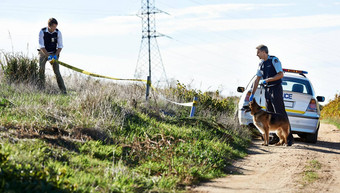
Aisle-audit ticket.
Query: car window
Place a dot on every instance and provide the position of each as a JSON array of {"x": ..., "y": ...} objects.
[
  {"x": 291, "y": 84},
  {"x": 296, "y": 85}
]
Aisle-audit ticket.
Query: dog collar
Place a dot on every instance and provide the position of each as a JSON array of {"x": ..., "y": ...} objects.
[{"x": 257, "y": 112}]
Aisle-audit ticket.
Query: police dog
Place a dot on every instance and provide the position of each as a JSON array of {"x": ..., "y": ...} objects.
[{"x": 267, "y": 121}]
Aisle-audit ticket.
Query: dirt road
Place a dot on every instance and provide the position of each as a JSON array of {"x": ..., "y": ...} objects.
[{"x": 284, "y": 169}]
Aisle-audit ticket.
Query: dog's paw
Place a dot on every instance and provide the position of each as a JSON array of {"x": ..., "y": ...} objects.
[{"x": 278, "y": 144}]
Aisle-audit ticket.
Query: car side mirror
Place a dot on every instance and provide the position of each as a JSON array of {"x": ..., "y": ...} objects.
[
  {"x": 320, "y": 98},
  {"x": 240, "y": 89}
]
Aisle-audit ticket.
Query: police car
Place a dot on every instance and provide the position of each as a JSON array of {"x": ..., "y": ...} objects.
[{"x": 301, "y": 104}]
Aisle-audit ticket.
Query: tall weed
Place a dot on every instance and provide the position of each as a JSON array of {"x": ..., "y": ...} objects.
[{"x": 19, "y": 68}]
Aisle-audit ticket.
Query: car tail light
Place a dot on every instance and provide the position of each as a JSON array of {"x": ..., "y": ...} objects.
[
  {"x": 312, "y": 106},
  {"x": 247, "y": 96}
]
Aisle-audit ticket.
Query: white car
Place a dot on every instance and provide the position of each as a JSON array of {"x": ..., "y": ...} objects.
[{"x": 300, "y": 100}]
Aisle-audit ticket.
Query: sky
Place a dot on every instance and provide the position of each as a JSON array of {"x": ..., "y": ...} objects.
[{"x": 207, "y": 44}]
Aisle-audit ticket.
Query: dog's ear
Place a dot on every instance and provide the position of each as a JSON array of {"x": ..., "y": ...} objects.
[{"x": 254, "y": 100}]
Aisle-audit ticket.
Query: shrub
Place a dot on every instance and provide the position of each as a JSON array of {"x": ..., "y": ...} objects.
[
  {"x": 19, "y": 68},
  {"x": 331, "y": 111},
  {"x": 210, "y": 104}
]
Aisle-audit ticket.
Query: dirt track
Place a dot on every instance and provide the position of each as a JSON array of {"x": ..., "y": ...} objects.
[{"x": 281, "y": 169}]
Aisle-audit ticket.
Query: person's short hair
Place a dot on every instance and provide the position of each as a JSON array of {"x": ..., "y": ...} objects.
[
  {"x": 262, "y": 48},
  {"x": 52, "y": 21}
]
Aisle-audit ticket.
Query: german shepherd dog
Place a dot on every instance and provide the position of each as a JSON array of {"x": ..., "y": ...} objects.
[{"x": 267, "y": 121}]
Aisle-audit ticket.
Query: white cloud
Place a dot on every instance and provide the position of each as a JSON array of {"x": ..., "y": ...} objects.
[
  {"x": 216, "y": 10},
  {"x": 280, "y": 23},
  {"x": 115, "y": 25}
]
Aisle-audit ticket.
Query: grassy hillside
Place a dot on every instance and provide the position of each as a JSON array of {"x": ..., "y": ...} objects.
[
  {"x": 104, "y": 137},
  {"x": 331, "y": 112}
]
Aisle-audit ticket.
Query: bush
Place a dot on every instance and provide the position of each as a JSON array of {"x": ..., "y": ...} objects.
[
  {"x": 331, "y": 111},
  {"x": 19, "y": 68},
  {"x": 210, "y": 104}
]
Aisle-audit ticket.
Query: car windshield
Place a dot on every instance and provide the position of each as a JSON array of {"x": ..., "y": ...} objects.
[{"x": 296, "y": 85}]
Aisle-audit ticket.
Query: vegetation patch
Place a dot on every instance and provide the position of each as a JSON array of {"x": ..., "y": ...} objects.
[
  {"x": 331, "y": 112},
  {"x": 104, "y": 137},
  {"x": 310, "y": 173}
]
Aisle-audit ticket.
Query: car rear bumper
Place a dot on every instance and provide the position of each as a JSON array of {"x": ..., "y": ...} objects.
[{"x": 303, "y": 124}]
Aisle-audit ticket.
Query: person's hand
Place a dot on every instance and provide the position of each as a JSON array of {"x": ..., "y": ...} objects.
[
  {"x": 55, "y": 57},
  {"x": 50, "y": 57},
  {"x": 251, "y": 97},
  {"x": 263, "y": 82}
]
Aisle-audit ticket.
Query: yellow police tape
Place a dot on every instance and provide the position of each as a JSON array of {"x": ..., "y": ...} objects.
[
  {"x": 108, "y": 77},
  {"x": 93, "y": 74}
]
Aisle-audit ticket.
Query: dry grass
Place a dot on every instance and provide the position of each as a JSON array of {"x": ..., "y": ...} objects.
[{"x": 107, "y": 125}]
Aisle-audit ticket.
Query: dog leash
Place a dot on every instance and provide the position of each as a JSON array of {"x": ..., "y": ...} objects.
[{"x": 262, "y": 88}]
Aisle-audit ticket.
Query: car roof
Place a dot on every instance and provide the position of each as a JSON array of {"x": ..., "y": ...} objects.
[{"x": 294, "y": 75}]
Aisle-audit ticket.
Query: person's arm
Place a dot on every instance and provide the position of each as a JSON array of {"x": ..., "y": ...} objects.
[
  {"x": 44, "y": 51},
  {"x": 42, "y": 43},
  {"x": 255, "y": 84},
  {"x": 60, "y": 44},
  {"x": 58, "y": 52},
  {"x": 278, "y": 76},
  {"x": 278, "y": 67}
]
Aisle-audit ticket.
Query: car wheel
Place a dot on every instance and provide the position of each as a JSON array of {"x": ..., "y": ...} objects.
[
  {"x": 302, "y": 135},
  {"x": 273, "y": 138},
  {"x": 312, "y": 137}
]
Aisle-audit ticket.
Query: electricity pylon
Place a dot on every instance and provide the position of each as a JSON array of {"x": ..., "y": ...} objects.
[{"x": 149, "y": 63}]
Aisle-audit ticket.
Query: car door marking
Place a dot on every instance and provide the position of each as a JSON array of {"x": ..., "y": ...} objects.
[{"x": 290, "y": 110}]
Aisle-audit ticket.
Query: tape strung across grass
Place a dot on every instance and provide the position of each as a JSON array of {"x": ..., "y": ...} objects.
[
  {"x": 93, "y": 74},
  {"x": 190, "y": 104}
]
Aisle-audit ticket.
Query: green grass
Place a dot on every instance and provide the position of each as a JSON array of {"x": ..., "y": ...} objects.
[
  {"x": 311, "y": 171},
  {"x": 103, "y": 137},
  {"x": 85, "y": 143},
  {"x": 153, "y": 156},
  {"x": 332, "y": 121}
]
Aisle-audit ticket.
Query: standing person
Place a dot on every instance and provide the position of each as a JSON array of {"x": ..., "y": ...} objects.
[
  {"x": 270, "y": 70},
  {"x": 51, "y": 44}
]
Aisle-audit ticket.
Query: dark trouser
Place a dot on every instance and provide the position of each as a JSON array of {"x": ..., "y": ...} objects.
[
  {"x": 274, "y": 103},
  {"x": 42, "y": 63}
]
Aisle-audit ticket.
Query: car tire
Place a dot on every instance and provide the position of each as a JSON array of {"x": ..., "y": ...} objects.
[
  {"x": 302, "y": 135},
  {"x": 273, "y": 138},
  {"x": 312, "y": 137}
]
